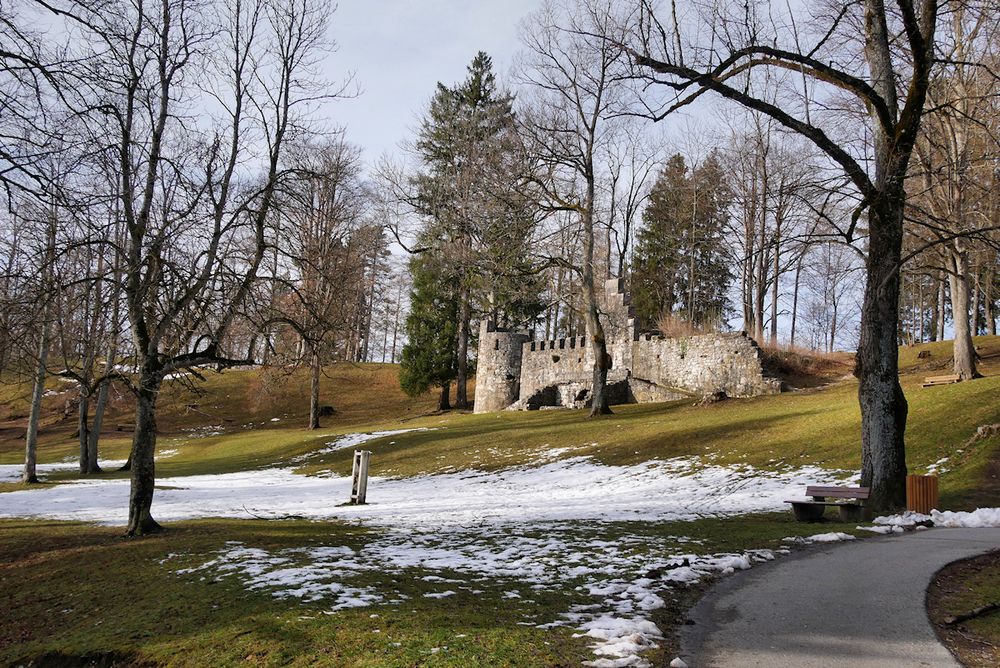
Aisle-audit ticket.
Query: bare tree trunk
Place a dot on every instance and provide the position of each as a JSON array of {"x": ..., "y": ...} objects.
[
  {"x": 83, "y": 427},
  {"x": 314, "y": 372},
  {"x": 795, "y": 299},
  {"x": 395, "y": 323},
  {"x": 922, "y": 312},
  {"x": 444, "y": 401},
  {"x": 38, "y": 390},
  {"x": 942, "y": 306},
  {"x": 140, "y": 521},
  {"x": 602, "y": 361},
  {"x": 989, "y": 282},
  {"x": 105, "y": 388},
  {"x": 974, "y": 301},
  {"x": 964, "y": 353},
  {"x": 760, "y": 288},
  {"x": 776, "y": 268},
  {"x": 95, "y": 429},
  {"x": 883, "y": 405},
  {"x": 833, "y": 326},
  {"x": 462, "y": 377}
]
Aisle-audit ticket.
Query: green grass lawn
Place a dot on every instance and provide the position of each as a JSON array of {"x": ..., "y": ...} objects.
[
  {"x": 74, "y": 591},
  {"x": 77, "y": 592}
]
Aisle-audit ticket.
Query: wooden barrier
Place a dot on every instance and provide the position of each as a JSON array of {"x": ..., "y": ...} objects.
[{"x": 921, "y": 493}]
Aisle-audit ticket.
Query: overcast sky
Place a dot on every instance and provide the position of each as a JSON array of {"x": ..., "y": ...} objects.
[{"x": 399, "y": 50}]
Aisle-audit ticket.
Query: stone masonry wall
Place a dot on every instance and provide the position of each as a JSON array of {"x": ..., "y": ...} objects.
[
  {"x": 703, "y": 364},
  {"x": 514, "y": 370}
]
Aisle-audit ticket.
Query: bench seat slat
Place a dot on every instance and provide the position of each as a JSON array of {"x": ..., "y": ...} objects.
[
  {"x": 839, "y": 492},
  {"x": 811, "y": 502}
]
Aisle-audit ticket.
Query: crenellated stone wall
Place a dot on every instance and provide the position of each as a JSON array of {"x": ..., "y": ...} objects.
[{"x": 516, "y": 372}]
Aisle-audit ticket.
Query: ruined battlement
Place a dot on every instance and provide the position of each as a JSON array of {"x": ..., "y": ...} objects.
[{"x": 515, "y": 371}]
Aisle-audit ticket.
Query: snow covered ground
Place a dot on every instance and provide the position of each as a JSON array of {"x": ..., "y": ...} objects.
[
  {"x": 571, "y": 489},
  {"x": 979, "y": 518},
  {"x": 517, "y": 526},
  {"x": 13, "y": 472}
]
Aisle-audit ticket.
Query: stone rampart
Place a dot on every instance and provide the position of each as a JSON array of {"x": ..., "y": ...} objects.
[{"x": 517, "y": 372}]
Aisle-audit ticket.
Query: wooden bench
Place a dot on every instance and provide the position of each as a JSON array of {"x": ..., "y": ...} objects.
[
  {"x": 851, "y": 510},
  {"x": 930, "y": 381}
]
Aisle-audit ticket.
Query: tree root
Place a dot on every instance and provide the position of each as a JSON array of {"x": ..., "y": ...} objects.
[{"x": 972, "y": 614}]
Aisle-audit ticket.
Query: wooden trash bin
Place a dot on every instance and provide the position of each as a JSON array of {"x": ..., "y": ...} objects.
[{"x": 921, "y": 493}]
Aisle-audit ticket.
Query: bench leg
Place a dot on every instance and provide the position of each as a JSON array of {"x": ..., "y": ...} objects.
[
  {"x": 852, "y": 513},
  {"x": 807, "y": 512}
]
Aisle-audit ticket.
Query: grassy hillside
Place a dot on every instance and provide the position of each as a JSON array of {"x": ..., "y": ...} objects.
[
  {"x": 77, "y": 594},
  {"x": 264, "y": 408},
  {"x": 245, "y": 419}
]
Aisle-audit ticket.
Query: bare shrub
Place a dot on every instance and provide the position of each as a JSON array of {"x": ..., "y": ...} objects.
[{"x": 676, "y": 325}]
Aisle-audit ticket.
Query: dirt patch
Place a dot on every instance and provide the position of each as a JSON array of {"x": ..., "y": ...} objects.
[{"x": 959, "y": 589}]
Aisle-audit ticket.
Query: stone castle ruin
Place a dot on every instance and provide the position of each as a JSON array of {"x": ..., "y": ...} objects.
[{"x": 517, "y": 372}]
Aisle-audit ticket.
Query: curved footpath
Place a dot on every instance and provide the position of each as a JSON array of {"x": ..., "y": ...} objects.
[{"x": 856, "y": 604}]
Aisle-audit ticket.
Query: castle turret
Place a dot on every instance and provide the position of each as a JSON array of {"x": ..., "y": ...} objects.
[{"x": 498, "y": 370}]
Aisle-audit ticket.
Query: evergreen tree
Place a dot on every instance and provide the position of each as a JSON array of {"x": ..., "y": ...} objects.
[
  {"x": 476, "y": 224},
  {"x": 428, "y": 358},
  {"x": 679, "y": 266}
]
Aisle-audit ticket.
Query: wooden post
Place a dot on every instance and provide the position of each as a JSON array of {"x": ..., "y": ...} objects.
[
  {"x": 921, "y": 493},
  {"x": 359, "y": 476}
]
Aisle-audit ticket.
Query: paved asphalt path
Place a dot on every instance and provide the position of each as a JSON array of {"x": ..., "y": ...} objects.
[{"x": 857, "y": 604}]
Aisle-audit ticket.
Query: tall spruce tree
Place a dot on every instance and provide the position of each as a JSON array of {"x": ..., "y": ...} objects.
[
  {"x": 476, "y": 224},
  {"x": 428, "y": 358},
  {"x": 679, "y": 267}
]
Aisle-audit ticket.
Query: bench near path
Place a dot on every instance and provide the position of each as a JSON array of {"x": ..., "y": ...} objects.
[{"x": 858, "y": 604}]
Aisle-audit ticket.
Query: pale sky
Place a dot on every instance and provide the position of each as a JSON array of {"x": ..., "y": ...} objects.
[{"x": 400, "y": 49}]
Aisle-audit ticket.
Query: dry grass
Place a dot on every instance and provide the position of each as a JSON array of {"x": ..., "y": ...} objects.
[
  {"x": 675, "y": 325},
  {"x": 801, "y": 367},
  {"x": 231, "y": 402}
]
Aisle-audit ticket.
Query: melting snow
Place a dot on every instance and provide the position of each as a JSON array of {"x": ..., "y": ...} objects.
[
  {"x": 620, "y": 576},
  {"x": 352, "y": 441},
  {"x": 571, "y": 489},
  {"x": 979, "y": 518},
  {"x": 832, "y": 537},
  {"x": 507, "y": 525},
  {"x": 13, "y": 472}
]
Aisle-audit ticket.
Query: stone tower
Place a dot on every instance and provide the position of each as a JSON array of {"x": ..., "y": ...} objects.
[{"x": 498, "y": 374}]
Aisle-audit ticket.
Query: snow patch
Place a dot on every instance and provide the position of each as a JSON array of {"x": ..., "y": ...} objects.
[
  {"x": 352, "y": 441},
  {"x": 886, "y": 529},
  {"x": 13, "y": 472},
  {"x": 832, "y": 537},
  {"x": 976, "y": 519},
  {"x": 571, "y": 489}
]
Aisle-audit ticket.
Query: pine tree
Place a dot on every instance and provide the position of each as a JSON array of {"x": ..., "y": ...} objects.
[
  {"x": 476, "y": 224},
  {"x": 679, "y": 267},
  {"x": 428, "y": 358}
]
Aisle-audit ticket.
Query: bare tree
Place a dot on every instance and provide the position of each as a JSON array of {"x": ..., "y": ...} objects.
[
  {"x": 319, "y": 227},
  {"x": 195, "y": 229},
  {"x": 956, "y": 154},
  {"x": 46, "y": 288},
  {"x": 575, "y": 107},
  {"x": 631, "y": 161},
  {"x": 729, "y": 52}
]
